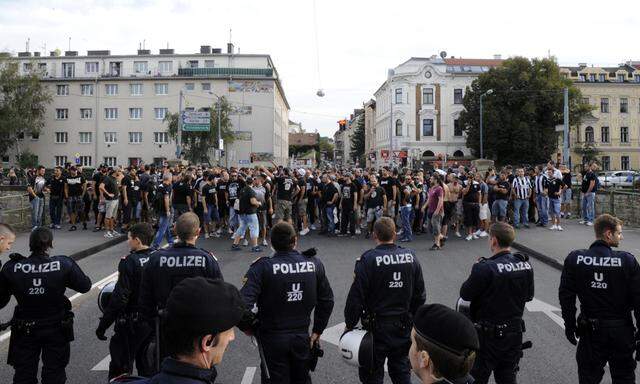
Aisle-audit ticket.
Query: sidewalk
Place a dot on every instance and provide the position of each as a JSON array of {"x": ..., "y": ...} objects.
[
  {"x": 77, "y": 244},
  {"x": 552, "y": 247}
]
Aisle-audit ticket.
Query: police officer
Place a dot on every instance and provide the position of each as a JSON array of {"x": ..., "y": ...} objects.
[
  {"x": 42, "y": 321},
  {"x": 286, "y": 288},
  {"x": 607, "y": 283},
  {"x": 167, "y": 267},
  {"x": 387, "y": 290},
  {"x": 498, "y": 289},
  {"x": 130, "y": 332}
]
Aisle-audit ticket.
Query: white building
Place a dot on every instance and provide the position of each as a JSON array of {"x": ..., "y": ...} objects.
[
  {"x": 427, "y": 95},
  {"x": 110, "y": 108}
]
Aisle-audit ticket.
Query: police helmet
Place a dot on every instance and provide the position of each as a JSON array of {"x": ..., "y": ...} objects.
[
  {"x": 105, "y": 295},
  {"x": 356, "y": 347},
  {"x": 464, "y": 307}
]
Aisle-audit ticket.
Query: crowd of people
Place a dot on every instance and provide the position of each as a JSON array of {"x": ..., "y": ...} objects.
[{"x": 245, "y": 203}]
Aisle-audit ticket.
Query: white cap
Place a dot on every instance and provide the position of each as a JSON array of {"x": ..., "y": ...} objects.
[{"x": 301, "y": 172}]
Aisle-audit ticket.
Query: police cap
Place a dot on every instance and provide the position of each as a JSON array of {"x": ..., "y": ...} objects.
[
  {"x": 205, "y": 306},
  {"x": 446, "y": 328}
]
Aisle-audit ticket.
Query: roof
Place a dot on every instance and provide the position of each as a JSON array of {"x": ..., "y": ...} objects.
[{"x": 474, "y": 62}]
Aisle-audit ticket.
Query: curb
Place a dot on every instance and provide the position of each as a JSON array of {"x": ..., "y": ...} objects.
[
  {"x": 97, "y": 248},
  {"x": 550, "y": 261}
]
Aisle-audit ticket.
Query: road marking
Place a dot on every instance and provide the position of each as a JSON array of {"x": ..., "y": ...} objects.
[
  {"x": 332, "y": 335},
  {"x": 103, "y": 365},
  {"x": 247, "y": 378},
  {"x": 536, "y": 305}
]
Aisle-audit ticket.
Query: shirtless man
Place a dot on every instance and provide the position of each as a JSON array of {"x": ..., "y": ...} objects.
[{"x": 452, "y": 195}]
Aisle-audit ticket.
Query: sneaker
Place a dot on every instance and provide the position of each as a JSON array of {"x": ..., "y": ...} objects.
[
  {"x": 561, "y": 214},
  {"x": 256, "y": 249},
  {"x": 475, "y": 236},
  {"x": 57, "y": 227},
  {"x": 590, "y": 224},
  {"x": 399, "y": 233},
  {"x": 52, "y": 226},
  {"x": 72, "y": 228},
  {"x": 366, "y": 236},
  {"x": 215, "y": 234},
  {"x": 229, "y": 231},
  {"x": 405, "y": 241},
  {"x": 478, "y": 232},
  {"x": 245, "y": 243},
  {"x": 483, "y": 234},
  {"x": 108, "y": 235},
  {"x": 206, "y": 235},
  {"x": 219, "y": 232},
  {"x": 313, "y": 227},
  {"x": 358, "y": 231},
  {"x": 568, "y": 215},
  {"x": 34, "y": 227},
  {"x": 304, "y": 231},
  {"x": 582, "y": 222},
  {"x": 264, "y": 243},
  {"x": 84, "y": 226},
  {"x": 469, "y": 238},
  {"x": 458, "y": 234},
  {"x": 559, "y": 228},
  {"x": 434, "y": 248},
  {"x": 553, "y": 227},
  {"x": 97, "y": 229},
  {"x": 527, "y": 226},
  {"x": 235, "y": 247}
]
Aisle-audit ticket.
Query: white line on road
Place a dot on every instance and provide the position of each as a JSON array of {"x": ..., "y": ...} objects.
[
  {"x": 103, "y": 365},
  {"x": 247, "y": 378},
  {"x": 536, "y": 305}
]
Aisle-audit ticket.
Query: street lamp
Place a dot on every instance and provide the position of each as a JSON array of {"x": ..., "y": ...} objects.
[
  {"x": 218, "y": 112},
  {"x": 488, "y": 92}
]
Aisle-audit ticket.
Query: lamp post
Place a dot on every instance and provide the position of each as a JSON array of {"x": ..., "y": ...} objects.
[
  {"x": 390, "y": 74},
  {"x": 488, "y": 92},
  {"x": 218, "y": 111}
]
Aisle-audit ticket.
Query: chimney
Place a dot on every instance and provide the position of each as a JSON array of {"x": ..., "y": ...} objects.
[
  {"x": 205, "y": 49},
  {"x": 497, "y": 57},
  {"x": 24, "y": 54},
  {"x": 142, "y": 52},
  {"x": 71, "y": 53},
  {"x": 99, "y": 53},
  {"x": 54, "y": 53},
  {"x": 36, "y": 54},
  {"x": 166, "y": 51},
  {"x": 216, "y": 50},
  {"x": 582, "y": 65},
  {"x": 230, "y": 48}
]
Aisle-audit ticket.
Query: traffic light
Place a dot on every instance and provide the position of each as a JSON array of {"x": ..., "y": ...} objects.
[{"x": 342, "y": 124}]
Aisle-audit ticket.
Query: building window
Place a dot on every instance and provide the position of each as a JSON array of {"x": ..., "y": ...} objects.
[
  {"x": 604, "y": 134},
  {"x": 624, "y": 105},
  {"x": 26, "y": 67},
  {"x": 621, "y": 78},
  {"x": 190, "y": 86},
  {"x": 159, "y": 161},
  {"x": 134, "y": 161},
  {"x": 209, "y": 63},
  {"x": 160, "y": 137},
  {"x": 86, "y": 137},
  {"x": 111, "y": 89},
  {"x": 68, "y": 70},
  {"x": 192, "y": 63},
  {"x": 162, "y": 88},
  {"x": 398, "y": 96},
  {"x": 62, "y": 90},
  {"x": 110, "y": 161},
  {"x": 624, "y": 163},
  {"x": 398, "y": 127},
  {"x": 111, "y": 113},
  {"x": 136, "y": 89},
  {"x": 427, "y": 127},
  {"x": 86, "y": 113},
  {"x": 135, "y": 113},
  {"x": 62, "y": 114},
  {"x": 61, "y": 161},
  {"x": 140, "y": 66},
  {"x": 206, "y": 86},
  {"x": 604, "y": 105},
  {"x": 91, "y": 67},
  {"x": 458, "y": 153},
  {"x": 585, "y": 100},
  {"x": 624, "y": 134},
  {"x": 85, "y": 161},
  {"x": 160, "y": 113},
  {"x": 111, "y": 137},
  {"x": 592, "y": 77},
  {"x": 588, "y": 135},
  {"x": 42, "y": 68},
  {"x": 115, "y": 68},
  {"x": 35, "y": 136},
  {"x": 427, "y": 95},
  {"x": 165, "y": 66},
  {"x": 135, "y": 137},
  {"x": 86, "y": 89},
  {"x": 583, "y": 77},
  {"x": 457, "y": 129},
  {"x": 602, "y": 78},
  {"x": 457, "y": 96},
  {"x": 636, "y": 78},
  {"x": 606, "y": 163},
  {"x": 5, "y": 159},
  {"x": 62, "y": 137}
]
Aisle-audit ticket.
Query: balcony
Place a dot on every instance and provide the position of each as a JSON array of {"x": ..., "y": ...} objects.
[{"x": 209, "y": 72}]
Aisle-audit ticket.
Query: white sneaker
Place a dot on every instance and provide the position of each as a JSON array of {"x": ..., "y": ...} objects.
[
  {"x": 304, "y": 231},
  {"x": 229, "y": 231},
  {"x": 475, "y": 236},
  {"x": 108, "y": 234},
  {"x": 559, "y": 228},
  {"x": 219, "y": 232},
  {"x": 553, "y": 228},
  {"x": 245, "y": 243},
  {"x": 313, "y": 227},
  {"x": 458, "y": 234},
  {"x": 484, "y": 234},
  {"x": 399, "y": 233},
  {"x": 582, "y": 222},
  {"x": 264, "y": 242},
  {"x": 206, "y": 235},
  {"x": 469, "y": 238},
  {"x": 34, "y": 228},
  {"x": 478, "y": 232},
  {"x": 358, "y": 231},
  {"x": 589, "y": 223}
]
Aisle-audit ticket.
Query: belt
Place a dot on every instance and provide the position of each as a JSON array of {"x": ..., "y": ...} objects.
[
  {"x": 513, "y": 325},
  {"x": 605, "y": 323}
]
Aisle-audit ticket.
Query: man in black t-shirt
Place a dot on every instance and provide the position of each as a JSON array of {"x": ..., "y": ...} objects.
[
  {"x": 111, "y": 191},
  {"x": 162, "y": 206},
  {"x": 501, "y": 190},
  {"x": 98, "y": 197},
  {"x": 375, "y": 203},
  {"x": 248, "y": 218},
  {"x": 391, "y": 189},
  {"x": 210, "y": 207},
  {"x": 285, "y": 190},
  {"x": 554, "y": 189},
  {"x": 74, "y": 189},
  {"x": 223, "y": 200},
  {"x": 233, "y": 188},
  {"x": 567, "y": 193},
  {"x": 56, "y": 197},
  {"x": 348, "y": 204},
  {"x": 182, "y": 193},
  {"x": 328, "y": 200},
  {"x": 588, "y": 189},
  {"x": 471, "y": 206},
  {"x": 302, "y": 201}
]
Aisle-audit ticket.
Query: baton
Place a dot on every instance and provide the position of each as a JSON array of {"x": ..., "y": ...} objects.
[{"x": 263, "y": 359}]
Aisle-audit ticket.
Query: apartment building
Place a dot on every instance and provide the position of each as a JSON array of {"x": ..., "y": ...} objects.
[
  {"x": 613, "y": 127},
  {"x": 425, "y": 95},
  {"x": 110, "y": 108},
  {"x": 342, "y": 138}
]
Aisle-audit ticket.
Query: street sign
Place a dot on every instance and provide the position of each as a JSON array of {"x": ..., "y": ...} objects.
[
  {"x": 196, "y": 121},
  {"x": 244, "y": 161}
]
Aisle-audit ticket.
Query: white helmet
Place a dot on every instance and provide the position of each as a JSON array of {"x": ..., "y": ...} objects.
[
  {"x": 464, "y": 307},
  {"x": 356, "y": 347},
  {"x": 105, "y": 295}
]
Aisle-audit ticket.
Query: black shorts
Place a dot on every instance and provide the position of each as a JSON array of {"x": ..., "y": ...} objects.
[
  {"x": 449, "y": 210},
  {"x": 471, "y": 214}
]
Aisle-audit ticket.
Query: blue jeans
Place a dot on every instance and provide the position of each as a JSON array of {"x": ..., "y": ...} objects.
[
  {"x": 164, "y": 228},
  {"x": 406, "y": 218},
  {"x": 233, "y": 218},
  {"x": 55, "y": 210},
  {"x": 248, "y": 221},
  {"x": 37, "y": 207},
  {"x": 588, "y": 206},
  {"x": 521, "y": 207},
  {"x": 331, "y": 223},
  {"x": 543, "y": 209},
  {"x": 499, "y": 208}
]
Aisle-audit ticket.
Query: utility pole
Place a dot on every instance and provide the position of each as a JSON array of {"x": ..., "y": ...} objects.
[
  {"x": 390, "y": 74},
  {"x": 179, "y": 136},
  {"x": 565, "y": 146},
  {"x": 220, "y": 145}
]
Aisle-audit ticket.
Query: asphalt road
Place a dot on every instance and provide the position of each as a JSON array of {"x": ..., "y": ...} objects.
[{"x": 551, "y": 360}]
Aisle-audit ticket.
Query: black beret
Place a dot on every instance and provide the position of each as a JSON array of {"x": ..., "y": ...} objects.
[
  {"x": 446, "y": 328},
  {"x": 205, "y": 306}
]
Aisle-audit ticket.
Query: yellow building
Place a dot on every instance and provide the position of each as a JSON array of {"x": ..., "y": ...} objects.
[{"x": 613, "y": 127}]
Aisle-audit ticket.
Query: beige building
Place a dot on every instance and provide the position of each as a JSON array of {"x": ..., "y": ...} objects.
[
  {"x": 613, "y": 127},
  {"x": 110, "y": 108}
]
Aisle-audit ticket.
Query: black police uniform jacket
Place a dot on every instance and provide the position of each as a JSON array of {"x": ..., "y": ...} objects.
[
  {"x": 499, "y": 287},
  {"x": 286, "y": 287},
  {"x": 388, "y": 282},
  {"x": 168, "y": 267},
  {"x": 173, "y": 371},
  {"x": 39, "y": 282},
  {"x": 606, "y": 282},
  {"x": 126, "y": 293}
]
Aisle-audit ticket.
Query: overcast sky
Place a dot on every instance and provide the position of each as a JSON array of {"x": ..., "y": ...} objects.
[{"x": 357, "y": 40}]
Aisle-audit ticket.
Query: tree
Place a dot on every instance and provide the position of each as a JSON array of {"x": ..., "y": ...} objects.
[
  {"x": 521, "y": 114},
  {"x": 27, "y": 159},
  {"x": 23, "y": 103},
  {"x": 196, "y": 145},
  {"x": 327, "y": 148},
  {"x": 357, "y": 140},
  {"x": 588, "y": 153}
]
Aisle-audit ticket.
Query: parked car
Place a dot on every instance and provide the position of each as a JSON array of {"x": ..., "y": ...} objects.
[{"x": 618, "y": 178}]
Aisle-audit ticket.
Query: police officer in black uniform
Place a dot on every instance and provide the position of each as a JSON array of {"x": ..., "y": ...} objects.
[
  {"x": 498, "y": 289},
  {"x": 130, "y": 332},
  {"x": 286, "y": 288},
  {"x": 387, "y": 290},
  {"x": 167, "y": 267},
  {"x": 42, "y": 321},
  {"x": 607, "y": 283}
]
